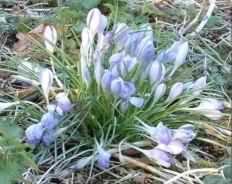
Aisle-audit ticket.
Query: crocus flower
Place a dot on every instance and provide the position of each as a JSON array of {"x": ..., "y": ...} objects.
[
  {"x": 121, "y": 34},
  {"x": 49, "y": 120},
  {"x": 63, "y": 102},
  {"x": 96, "y": 22},
  {"x": 155, "y": 72},
  {"x": 46, "y": 81},
  {"x": 98, "y": 68},
  {"x": 159, "y": 91},
  {"x": 103, "y": 158},
  {"x": 85, "y": 39},
  {"x": 199, "y": 85},
  {"x": 176, "y": 90},
  {"x": 50, "y": 38},
  {"x": 211, "y": 108},
  {"x": 146, "y": 50},
  {"x": 121, "y": 88},
  {"x": 85, "y": 73},
  {"x": 49, "y": 137},
  {"x": 106, "y": 80},
  {"x": 34, "y": 133},
  {"x": 181, "y": 55},
  {"x": 185, "y": 133}
]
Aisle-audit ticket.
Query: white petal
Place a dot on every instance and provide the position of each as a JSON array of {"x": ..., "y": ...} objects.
[
  {"x": 50, "y": 38},
  {"x": 137, "y": 101},
  {"x": 46, "y": 81}
]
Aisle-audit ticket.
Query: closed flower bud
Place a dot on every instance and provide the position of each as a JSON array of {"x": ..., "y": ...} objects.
[
  {"x": 34, "y": 133},
  {"x": 211, "y": 108},
  {"x": 98, "y": 69},
  {"x": 199, "y": 85},
  {"x": 63, "y": 102},
  {"x": 85, "y": 39},
  {"x": 106, "y": 80},
  {"x": 181, "y": 55},
  {"x": 103, "y": 158},
  {"x": 176, "y": 91},
  {"x": 49, "y": 120},
  {"x": 159, "y": 91},
  {"x": 46, "y": 81},
  {"x": 96, "y": 22},
  {"x": 121, "y": 34},
  {"x": 155, "y": 72},
  {"x": 85, "y": 73},
  {"x": 50, "y": 38},
  {"x": 136, "y": 101}
]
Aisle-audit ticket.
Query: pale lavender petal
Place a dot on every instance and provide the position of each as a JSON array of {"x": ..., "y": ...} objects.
[
  {"x": 116, "y": 86},
  {"x": 175, "y": 147},
  {"x": 176, "y": 90},
  {"x": 63, "y": 102},
  {"x": 128, "y": 89},
  {"x": 103, "y": 159},
  {"x": 34, "y": 133},
  {"x": 159, "y": 91},
  {"x": 116, "y": 59},
  {"x": 155, "y": 72},
  {"x": 49, "y": 120},
  {"x": 107, "y": 79},
  {"x": 185, "y": 133},
  {"x": 121, "y": 33},
  {"x": 161, "y": 157},
  {"x": 136, "y": 101},
  {"x": 163, "y": 135},
  {"x": 49, "y": 137}
]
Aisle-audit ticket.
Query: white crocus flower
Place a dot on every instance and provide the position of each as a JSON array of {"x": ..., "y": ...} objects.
[{"x": 50, "y": 38}]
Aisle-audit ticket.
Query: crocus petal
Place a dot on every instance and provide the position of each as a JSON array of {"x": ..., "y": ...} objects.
[
  {"x": 161, "y": 157},
  {"x": 185, "y": 133},
  {"x": 49, "y": 120},
  {"x": 180, "y": 56},
  {"x": 85, "y": 39},
  {"x": 128, "y": 89},
  {"x": 176, "y": 90},
  {"x": 63, "y": 102},
  {"x": 121, "y": 34},
  {"x": 34, "y": 133},
  {"x": 49, "y": 137},
  {"x": 46, "y": 81},
  {"x": 50, "y": 38},
  {"x": 175, "y": 147},
  {"x": 155, "y": 72},
  {"x": 136, "y": 101},
  {"x": 98, "y": 69},
  {"x": 96, "y": 22},
  {"x": 159, "y": 91},
  {"x": 85, "y": 73},
  {"x": 106, "y": 80},
  {"x": 199, "y": 85},
  {"x": 163, "y": 135},
  {"x": 103, "y": 159}
]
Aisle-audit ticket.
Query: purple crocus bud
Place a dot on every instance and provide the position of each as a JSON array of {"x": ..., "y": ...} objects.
[
  {"x": 163, "y": 135},
  {"x": 103, "y": 158},
  {"x": 46, "y": 81},
  {"x": 49, "y": 137},
  {"x": 199, "y": 85},
  {"x": 136, "y": 101},
  {"x": 185, "y": 133},
  {"x": 106, "y": 80},
  {"x": 159, "y": 91},
  {"x": 63, "y": 102},
  {"x": 34, "y": 133},
  {"x": 155, "y": 72},
  {"x": 176, "y": 90},
  {"x": 96, "y": 22},
  {"x": 49, "y": 120},
  {"x": 104, "y": 41}
]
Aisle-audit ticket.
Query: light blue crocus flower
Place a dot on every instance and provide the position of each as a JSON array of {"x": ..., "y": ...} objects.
[
  {"x": 103, "y": 158},
  {"x": 106, "y": 80},
  {"x": 34, "y": 133},
  {"x": 63, "y": 102},
  {"x": 49, "y": 120},
  {"x": 49, "y": 137}
]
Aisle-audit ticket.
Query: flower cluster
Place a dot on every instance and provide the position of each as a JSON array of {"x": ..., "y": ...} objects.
[
  {"x": 45, "y": 131},
  {"x": 169, "y": 142}
]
